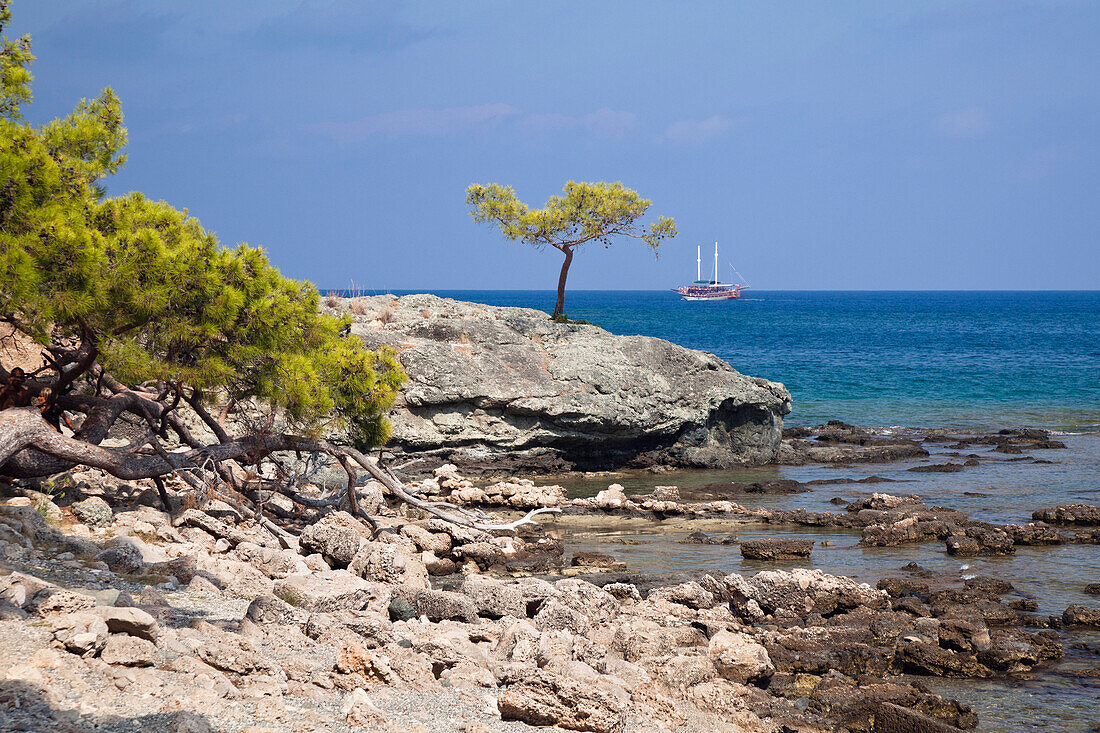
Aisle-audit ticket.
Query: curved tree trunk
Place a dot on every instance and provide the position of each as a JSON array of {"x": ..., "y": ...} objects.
[
  {"x": 25, "y": 435},
  {"x": 559, "y": 307}
]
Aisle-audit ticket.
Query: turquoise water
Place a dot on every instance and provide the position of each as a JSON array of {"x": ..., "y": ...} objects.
[{"x": 930, "y": 359}]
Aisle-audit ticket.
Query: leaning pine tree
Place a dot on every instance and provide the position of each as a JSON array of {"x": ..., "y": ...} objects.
[
  {"x": 140, "y": 314},
  {"x": 588, "y": 212}
]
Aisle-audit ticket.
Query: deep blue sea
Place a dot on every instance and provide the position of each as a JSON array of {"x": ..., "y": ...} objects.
[{"x": 927, "y": 359}]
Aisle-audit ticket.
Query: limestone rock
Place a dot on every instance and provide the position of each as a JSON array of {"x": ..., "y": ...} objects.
[
  {"x": 493, "y": 598},
  {"x": 93, "y": 511},
  {"x": 132, "y": 621},
  {"x": 336, "y": 537},
  {"x": 128, "y": 651},
  {"x": 325, "y": 591},
  {"x": 491, "y": 384},
  {"x": 548, "y": 699},
  {"x": 799, "y": 592},
  {"x": 738, "y": 658},
  {"x": 438, "y": 605}
]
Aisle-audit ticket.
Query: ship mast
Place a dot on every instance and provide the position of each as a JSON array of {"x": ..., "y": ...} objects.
[
  {"x": 715, "y": 263},
  {"x": 698, "y": 263}
]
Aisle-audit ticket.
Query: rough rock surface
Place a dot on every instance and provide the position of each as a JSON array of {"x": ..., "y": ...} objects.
[{"x": 489, "y": 384}]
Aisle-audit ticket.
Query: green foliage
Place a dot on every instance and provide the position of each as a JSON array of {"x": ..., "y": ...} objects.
[
  {"x": 587, "y": 212},
  {"x": 15, "y": 75},
  {"x": 151, "y": 292}
]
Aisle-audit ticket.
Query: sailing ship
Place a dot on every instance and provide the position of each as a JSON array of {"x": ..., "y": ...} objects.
[{"x": 708, "y": 289}]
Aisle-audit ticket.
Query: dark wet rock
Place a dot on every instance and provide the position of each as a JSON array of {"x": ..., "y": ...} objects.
[
  {"x": 702, "y": 538},
  {"x": 951, "y": 604},
  {"x": 1093, "y": 589},
  {"x": 900, "y": 587},
  {"x": 839, "y": 443},
  {"x": 917, "y": 570},
  {"x": 776, "y": 548},
  {"x": 939, "y": 468},
  {"x": 962, "y": 546},
  {"x": 961, "y": 635},
  {"x": 1023, "y": 604},
  {"x": 778, "y": 486},
  {"x": 988, "y": 586},
  {"x": 1034, "y": 534},
  {"x": 920, "y": 657},
  {"x": 911, "y": 605},
  {"x": 991, "y": 540},
  {"x": 1068, "y": 514},
  {"x": 864, "y": 480},
  {"x": 891, "y": 718},
  {"x": 596, "y": 560},
  {"x": 857, "y": 706},
  {"x": 837, "y": 501},
  {"x": 1078, "y": 615}
]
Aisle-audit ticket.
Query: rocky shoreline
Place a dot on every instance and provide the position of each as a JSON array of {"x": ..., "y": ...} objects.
[{"x": 117, "y": 614}]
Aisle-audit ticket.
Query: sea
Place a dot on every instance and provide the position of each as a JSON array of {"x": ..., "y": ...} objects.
[{"x": 894, "y": 361}]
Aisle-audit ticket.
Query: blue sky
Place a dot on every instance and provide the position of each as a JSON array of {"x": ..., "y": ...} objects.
[{"x": 841, "y": 145}]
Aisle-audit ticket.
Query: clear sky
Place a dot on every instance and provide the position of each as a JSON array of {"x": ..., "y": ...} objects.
[{"x": 839, "y": 145}]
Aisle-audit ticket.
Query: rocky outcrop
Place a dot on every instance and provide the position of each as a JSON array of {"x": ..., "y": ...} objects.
[{"x": 507, "y": 388}]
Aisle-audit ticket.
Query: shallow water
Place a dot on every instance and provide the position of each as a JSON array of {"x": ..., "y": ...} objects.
[{"x": 998, "y": 490}]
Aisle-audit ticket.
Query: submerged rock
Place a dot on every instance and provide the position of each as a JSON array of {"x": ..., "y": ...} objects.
[
  {"x": 506, "y": 388},
  {"x": 776, "y": 548}
]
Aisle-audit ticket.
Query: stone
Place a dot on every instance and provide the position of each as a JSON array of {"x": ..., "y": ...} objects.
[
  {"x": 438, "y": 605},
  {"x": 336, "y": 537},
  {"x": 212, "y": 525},
  {"x": 128, "y": 651},
  {"x": 387, "y": 563},
  {"x": 493, "y": 598},
  {"x": 1069, "y": 514},
  {"x": 93, "y": 511},
  {"x": 799, "y": 592},
  {"x": 776, "y": 548},
  {"x": 490, "y": 385},
  {"x": 891, "y": 718},
  {"x": 557, "y": 700},
  {"x": 270, "y": 609},
  {"x": 690, "y": 594},
  {"x": 554, "y": 615},
  {"x": 325, "y": 591},
  {"x": 122, "y": 557},
  {"x": 613, "y": 497},
  {"x": 962, "y": 546},
  {"x": 1078, "y": 615},
  {"x": 52, "y": 599},
  {"x": 81, "y": 633},
  {"x": 736, "y": 657},
  {"x": 132, "y": 621}
]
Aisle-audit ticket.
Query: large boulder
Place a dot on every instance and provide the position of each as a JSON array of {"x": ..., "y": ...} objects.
[
  {"x": 799, "y": 592},
  {"x": 558, "y": 700},
  {"x": 336, "y": 537},
  {"x": 490, "y": 384}
]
